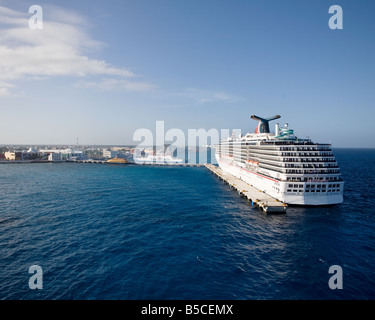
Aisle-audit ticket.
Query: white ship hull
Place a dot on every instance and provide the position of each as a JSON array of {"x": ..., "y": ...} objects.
[
  {"x": 156, "y": 159},
  {"x": 276, "y": 189}
]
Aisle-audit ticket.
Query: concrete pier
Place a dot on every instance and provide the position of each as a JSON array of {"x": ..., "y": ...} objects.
[
  {"x": 257, "y": 197},
  {"x": 89, "y": 161}
]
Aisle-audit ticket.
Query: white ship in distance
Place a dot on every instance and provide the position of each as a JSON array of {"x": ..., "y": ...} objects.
[
  {"x": 292, "y": 170},
  {"x": 156, "y": 158}
]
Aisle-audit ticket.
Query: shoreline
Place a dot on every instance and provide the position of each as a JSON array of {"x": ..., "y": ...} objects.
[{"x": 103, "y": 162}]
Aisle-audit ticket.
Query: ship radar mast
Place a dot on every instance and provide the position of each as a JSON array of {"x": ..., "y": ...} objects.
[{"x": 263, "y": 126}]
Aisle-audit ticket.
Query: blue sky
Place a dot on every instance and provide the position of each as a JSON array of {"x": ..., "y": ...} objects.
[{"x": 100, "y": 70}]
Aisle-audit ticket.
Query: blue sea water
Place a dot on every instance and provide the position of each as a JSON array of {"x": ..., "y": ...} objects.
[{"x": 136, "y": 232}]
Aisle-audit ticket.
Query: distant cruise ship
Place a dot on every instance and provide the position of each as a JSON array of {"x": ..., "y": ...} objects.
[
  {"x": 157, "y": 159},
  {"x": 294, "y": 171}
]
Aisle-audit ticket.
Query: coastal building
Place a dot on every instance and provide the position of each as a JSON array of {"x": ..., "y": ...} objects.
[
  {"x": 65, "y": 153},
  {"x": 108, "y": 153},
  {"x": 55, "y": 157},
  {"x": 117, "y": 148},
  {"x": 10, "y": 156},
  {"x": 23, "y": 156}
]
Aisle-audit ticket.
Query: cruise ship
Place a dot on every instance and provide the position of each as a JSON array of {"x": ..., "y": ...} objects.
[{"x": 292, "y": 170}]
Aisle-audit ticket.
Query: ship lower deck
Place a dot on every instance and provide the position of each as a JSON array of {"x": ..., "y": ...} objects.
[{"x": 276, "y": 188}]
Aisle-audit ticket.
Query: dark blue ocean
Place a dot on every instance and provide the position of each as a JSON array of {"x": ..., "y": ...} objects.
[{"x": 135, "y": 232}]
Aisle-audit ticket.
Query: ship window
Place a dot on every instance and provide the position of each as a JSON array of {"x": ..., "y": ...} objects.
[
  {"x": 317, "y": 190},
  {"x": 290, "y": 186},
  {"x": 294, "y": 190},
  {"x": 313, "y": 186},
  {"x": 301, "y": 185},
  {"x": 324, "y": 190},
  {"x": 324, "y": 186},
  {"x": 318, "y": 186},
  {"x": 296, "y": 186},
  {"x": 307, "y": 191},
  {"x": 307, "y": 186},
  {"x": 289, "y": 190}
]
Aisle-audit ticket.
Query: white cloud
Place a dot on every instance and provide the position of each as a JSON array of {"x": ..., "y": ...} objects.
[
  {"x": 56, "y": 50},
  {"x": 4, "y": 92},
  {"x": 117, "y": 84},
  {"x": 206, "y": 96},
  {"x": 4, "y": 89}
]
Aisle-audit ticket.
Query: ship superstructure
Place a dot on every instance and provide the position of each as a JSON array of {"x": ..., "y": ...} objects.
[{"x": 292, "y": 170}]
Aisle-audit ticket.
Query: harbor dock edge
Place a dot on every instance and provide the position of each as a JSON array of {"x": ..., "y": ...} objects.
[{"x": 265, "y": 202}]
